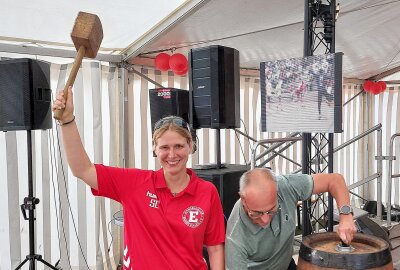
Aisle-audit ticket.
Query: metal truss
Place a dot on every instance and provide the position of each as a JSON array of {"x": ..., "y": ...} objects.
[
  {"x": 319, "y": 210},
  {"x": 319, "y": 37},
  {"x": 319, "y": 26}
]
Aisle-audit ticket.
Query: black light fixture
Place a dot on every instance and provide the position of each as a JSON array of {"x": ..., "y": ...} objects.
[
  {"x": 328, "y": 27},
  {"x": 323, "y": 13}
]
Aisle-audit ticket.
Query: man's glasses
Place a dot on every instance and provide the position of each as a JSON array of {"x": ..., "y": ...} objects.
[
  {"x": 171, "y": 119},
  {"x": 257, "y": 214}
]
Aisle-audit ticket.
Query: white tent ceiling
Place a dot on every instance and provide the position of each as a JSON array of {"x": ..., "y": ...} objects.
[
  {"x": 51, "y": 22},
  {"x": 367, "y": 31}
]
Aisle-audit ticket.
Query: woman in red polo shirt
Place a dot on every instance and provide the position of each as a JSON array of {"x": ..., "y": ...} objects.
[{"x": 169, "y": 214}]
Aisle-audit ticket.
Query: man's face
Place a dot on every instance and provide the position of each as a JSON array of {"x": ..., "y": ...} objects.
[{"x": 260, "y": 208}]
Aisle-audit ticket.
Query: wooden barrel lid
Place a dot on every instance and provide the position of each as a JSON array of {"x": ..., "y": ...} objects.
[{"x": 322, "y": 249}]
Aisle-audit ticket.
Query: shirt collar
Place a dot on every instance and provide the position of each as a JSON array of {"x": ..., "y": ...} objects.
[
  {"x": 276, "y": 224},
  {"x": 160, "y": 182}
]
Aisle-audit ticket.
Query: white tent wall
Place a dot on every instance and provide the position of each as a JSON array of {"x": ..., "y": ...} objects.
[
  {"x": 358, "y": 160},
  {"x": 61, "y": 217},
  {"x": 106, "y": 97}
]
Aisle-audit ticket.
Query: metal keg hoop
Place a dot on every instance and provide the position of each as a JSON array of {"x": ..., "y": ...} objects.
[{"x": 318, "y": 251}]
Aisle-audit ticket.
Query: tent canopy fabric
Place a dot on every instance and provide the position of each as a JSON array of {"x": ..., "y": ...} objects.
[
  {"x": 50, "y": 22},
  {"x": 367, "y": 31}
]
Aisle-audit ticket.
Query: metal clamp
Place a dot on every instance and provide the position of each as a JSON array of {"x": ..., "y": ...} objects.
[{"x": 29, "y": 204}]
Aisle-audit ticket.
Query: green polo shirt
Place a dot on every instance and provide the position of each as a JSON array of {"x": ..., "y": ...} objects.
[{"x": 249, "y": 246}]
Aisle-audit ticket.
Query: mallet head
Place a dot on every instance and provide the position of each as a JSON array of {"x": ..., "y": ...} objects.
[{"x": 87, "y": 32}]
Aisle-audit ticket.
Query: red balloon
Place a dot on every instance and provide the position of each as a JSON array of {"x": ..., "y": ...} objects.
[
  {"x": 162, "y": 61},
  {"x": 368, "y": 86},
  {"x": 383, "y": 86},
  {"x": 178, "y": 62},
  {"x": 181, "y": 73},
  {"x": 376, "y": 88}
]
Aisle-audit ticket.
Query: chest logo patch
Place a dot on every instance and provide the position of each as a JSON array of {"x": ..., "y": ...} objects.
[{"x": 193, "y": 216}]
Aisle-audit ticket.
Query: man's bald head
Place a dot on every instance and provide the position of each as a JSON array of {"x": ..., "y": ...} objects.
[{"x": 257, "y": 182}]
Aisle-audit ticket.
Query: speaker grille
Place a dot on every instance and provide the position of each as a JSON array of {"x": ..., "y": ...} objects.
[
  {"x": 214, "y": 87},
  {"x": 25, "y": 95},
  {"x": 168, "y": 101},
  {"x": 226, "y": 181},
  {"x": 15, "y": 111}
]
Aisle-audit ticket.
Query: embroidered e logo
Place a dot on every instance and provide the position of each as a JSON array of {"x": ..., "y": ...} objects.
[{"x": 193, "y": 216}]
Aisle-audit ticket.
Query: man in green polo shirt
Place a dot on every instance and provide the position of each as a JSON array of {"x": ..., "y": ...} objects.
[{"x": 260, "y": 229}]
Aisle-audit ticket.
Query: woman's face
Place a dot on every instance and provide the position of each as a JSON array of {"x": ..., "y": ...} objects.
[{"x": 172, "y": 150}]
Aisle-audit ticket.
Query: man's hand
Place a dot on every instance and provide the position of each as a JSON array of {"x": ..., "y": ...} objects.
[{"x": 346, "y": 229}]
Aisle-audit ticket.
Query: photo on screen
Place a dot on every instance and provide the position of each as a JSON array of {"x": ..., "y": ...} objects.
[{"x": 302, "y": 94}]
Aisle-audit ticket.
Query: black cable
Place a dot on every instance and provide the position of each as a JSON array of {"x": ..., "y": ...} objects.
[
  {"x": 52, "y": 143},
  {"x": 108, "y": 226},
  {"x": 241, "y": 148},
  {"x": 109, "y": 230},
  {"x": 52, "y": 153},
  {"x": 61, "y": 214},
  {"x": 391, "y": 60},
  {"x": 220, "y": 39},
  {"x": 119, "y": 219},
  {"x": 69, "y": 204},
  {"x": 247, "y": 133},
  {"x": 373, "y": 6}
]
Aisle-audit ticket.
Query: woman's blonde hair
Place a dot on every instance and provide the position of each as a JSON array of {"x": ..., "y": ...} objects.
[{"x": 172, "y": 123}]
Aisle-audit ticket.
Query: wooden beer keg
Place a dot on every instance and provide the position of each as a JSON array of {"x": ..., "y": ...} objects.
[{"x": 325, "y": 251}]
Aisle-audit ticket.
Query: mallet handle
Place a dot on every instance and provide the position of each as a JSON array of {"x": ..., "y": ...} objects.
[{"x": 71, "y": 78}]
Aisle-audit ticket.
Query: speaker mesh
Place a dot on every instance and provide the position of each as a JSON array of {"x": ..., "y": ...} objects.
[
  {"x": 25, "y": 95},
  {"x": 214, "y": 87},
  {"x": 14, "y": 95}
]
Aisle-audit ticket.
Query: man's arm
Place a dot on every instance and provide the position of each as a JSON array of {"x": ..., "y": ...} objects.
[
  {"x": 77, "y": 158},
  {"x": 335, "y": 184},
  {"x": 216, "y": 257},
  {"x": 235, "y": 257}
]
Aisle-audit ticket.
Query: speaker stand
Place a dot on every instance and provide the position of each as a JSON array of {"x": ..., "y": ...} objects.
[
  {"x": 218, "y": 165},
  {"x": 29, "y": 204}
]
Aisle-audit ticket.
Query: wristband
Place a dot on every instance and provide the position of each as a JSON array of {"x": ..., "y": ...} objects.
[{"x": 63, "y": 124}]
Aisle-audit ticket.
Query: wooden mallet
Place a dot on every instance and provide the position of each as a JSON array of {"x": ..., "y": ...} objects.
[{"x": 87, "y": 35}]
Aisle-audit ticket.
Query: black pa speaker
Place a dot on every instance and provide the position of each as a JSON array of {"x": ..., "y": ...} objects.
[
  {"x": 227, "y": 182},
  {"x": 25, "y": 95},
  {"x": 214, "y": 83},
  {"x": 168, "y": 101}
]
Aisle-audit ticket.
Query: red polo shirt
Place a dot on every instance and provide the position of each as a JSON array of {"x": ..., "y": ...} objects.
[{"x": 162, "y": 231}]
